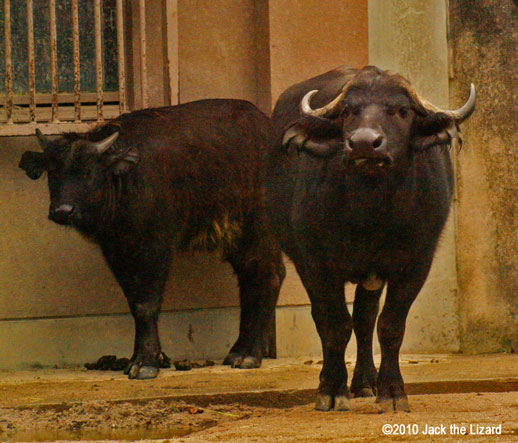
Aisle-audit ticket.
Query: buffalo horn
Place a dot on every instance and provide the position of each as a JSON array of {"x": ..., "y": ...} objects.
[
  {"x": 42, "y": 140},
  {"x": 103, "y": 145},
  {"x": 459, "y": 115},
  {"x": 324, "y": 111}
]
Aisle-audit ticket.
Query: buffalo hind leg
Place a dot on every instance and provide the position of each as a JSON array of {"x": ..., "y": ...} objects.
[
  {"x": 142, "y": 278},
  {"x": 334, "y": 326},
  {"x": 365, "y": 311},
  {"x": 260, "y": 272}
]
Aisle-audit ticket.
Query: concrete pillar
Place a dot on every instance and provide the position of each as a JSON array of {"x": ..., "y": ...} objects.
[{"x": 411, "y": 38}]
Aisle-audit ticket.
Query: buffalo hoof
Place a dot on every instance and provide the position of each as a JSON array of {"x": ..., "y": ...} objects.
[
  {"x": 342, "y": 403},
  {"x": 250, "y": 363},
  {"x": 326, "y": 402},
  {"x": 242, "y": 362},
  {"x": 231, "y": 358},
  {"x": 392, "y": 404},
  {"x": 142, "y": 372},
  {"x": 364, "y": 382},
  {"x": 364, "y": 392},
  {"x": 144, "y": 369}
]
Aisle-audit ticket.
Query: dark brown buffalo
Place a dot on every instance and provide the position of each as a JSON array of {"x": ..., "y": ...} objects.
[
  {"x": 157, "y": 181},
  {"x": 359, "y": 190}
]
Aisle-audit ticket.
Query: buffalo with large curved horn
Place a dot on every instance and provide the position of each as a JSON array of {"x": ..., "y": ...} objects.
[
  {"x": 359, "y": 190},
  {"x": 332, "y": 108}
]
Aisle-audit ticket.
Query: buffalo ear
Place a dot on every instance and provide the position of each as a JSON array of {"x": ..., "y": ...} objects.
[
  {"x": 34, "y": 164},
  {"x": 435, "y": 130},
  {"x": 122, "y": 163},
  {"x": 316, "y": 136}
]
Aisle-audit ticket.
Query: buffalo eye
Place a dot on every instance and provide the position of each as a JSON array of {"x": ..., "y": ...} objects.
[{"x": 402, "y": 111}]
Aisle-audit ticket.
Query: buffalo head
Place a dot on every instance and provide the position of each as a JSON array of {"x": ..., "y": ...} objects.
[
  {"x": 377, "y": 121},
  {"x": 80, "y": 171}
]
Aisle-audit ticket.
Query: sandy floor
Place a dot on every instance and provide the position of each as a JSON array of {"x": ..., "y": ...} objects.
[
  {"x": 364, "y": 424},
  {"x": 273, "y": 403}
]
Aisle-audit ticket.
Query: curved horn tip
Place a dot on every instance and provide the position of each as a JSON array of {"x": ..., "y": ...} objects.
[
  {"x": 305, "y": 107},
  {"x": 473, "y": 91},
  {"x": 105, "y": 144},
  {"x": 467, "y": 109},
  {"x": 327, "y": 111}
]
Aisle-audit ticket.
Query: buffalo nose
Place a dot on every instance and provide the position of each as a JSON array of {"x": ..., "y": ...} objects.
[
  {"x": 61, "y": 214},
  {"x": 366, "y": 139}
]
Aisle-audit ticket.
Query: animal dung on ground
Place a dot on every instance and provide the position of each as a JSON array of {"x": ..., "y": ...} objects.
[{"x": 187, "y": 365}]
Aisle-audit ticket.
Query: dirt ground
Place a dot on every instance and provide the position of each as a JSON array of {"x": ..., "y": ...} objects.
[
  {"x": 364, "y": 424},
  {"x": 449, "y": 395}
]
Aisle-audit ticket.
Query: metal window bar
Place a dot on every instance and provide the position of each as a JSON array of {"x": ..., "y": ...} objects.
[
  {"x": 122, "y": 58},
  {"x": 53, "y": 60},
  {"x": 98, "y": 59},
  {"x": 143, "y": 57},
  {"x": 30, "y": 62},
  {"x": 77, "y": 68},
  {"x": 8, "y": 63},
  {"x": 15, "y": 124}
]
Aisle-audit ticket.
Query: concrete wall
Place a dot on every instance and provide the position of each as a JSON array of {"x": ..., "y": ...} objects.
[
  {"x": 254, "y": 49},
  {"x": 217, "y": 49},
  {"x": 59, "y": 303},
  {"x": 314, "y": 36},
  {"x": 484, "y": 42},
  {"x": 410, "y": 38}
]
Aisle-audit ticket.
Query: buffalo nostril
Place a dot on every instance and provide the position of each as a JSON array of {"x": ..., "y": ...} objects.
[{"x": 378, "y": 142}]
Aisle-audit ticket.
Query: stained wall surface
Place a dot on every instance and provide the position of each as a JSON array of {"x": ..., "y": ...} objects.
[
  {"x": 411, "y": 38},
  {"x": 484, "y": 42}
]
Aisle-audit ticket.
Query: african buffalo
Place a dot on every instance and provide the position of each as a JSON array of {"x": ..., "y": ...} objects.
[
  {"x": 359, "y": 188},
  {"x": 157, "y": 181}
]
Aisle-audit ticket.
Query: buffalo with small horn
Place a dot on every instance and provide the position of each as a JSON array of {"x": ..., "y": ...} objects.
[{"x": 156, "y": 182}]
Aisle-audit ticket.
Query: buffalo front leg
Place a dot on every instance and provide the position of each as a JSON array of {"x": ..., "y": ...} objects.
[
  {"x": 147, "y": 355},
  {"x": 143, "y": 279},
  {"x": 401, "y": 293},
  {"x": 260, "y": 272},
  {"x": 365, "y": 311},
  {"x": 334, "y": 326}
]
